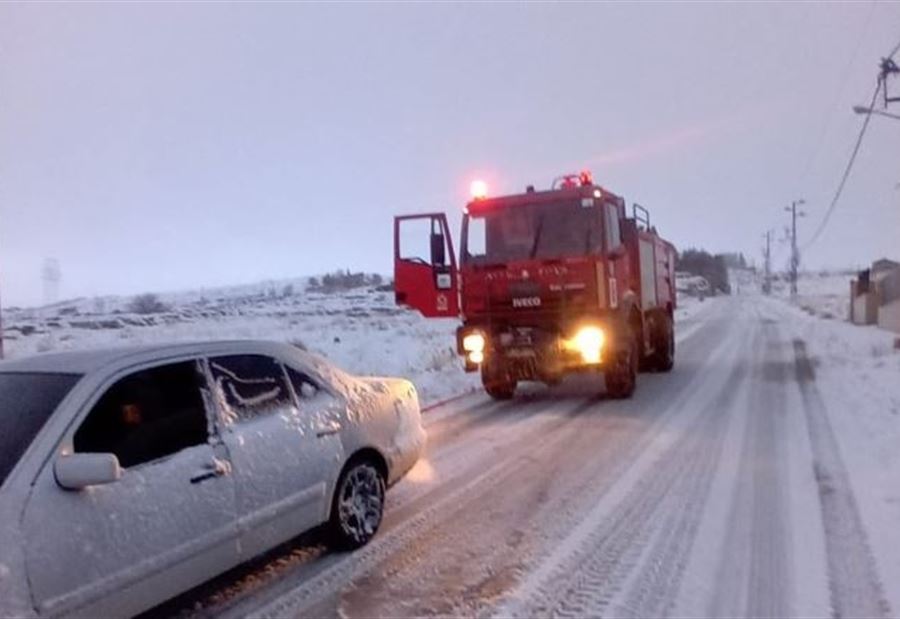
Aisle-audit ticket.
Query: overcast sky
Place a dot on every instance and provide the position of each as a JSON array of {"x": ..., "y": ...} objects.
[{"x": 161, "y": 146}]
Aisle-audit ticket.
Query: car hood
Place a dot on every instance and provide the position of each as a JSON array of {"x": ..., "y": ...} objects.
[{"x": 385, "y": 384}]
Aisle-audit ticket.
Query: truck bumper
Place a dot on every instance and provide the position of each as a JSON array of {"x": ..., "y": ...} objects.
[
  {"x": 540, "y": 365},
  {"x": 544, "y": 354}
]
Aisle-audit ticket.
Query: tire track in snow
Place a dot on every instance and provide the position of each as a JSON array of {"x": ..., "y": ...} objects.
[
  {"x": 450, "y": 570},
  {"x": 611, "y": 543},
  {"x": 662, "y": 389},
  {"x": 479, "y": 557},
  {"x": 755, "y": 566},
  {"x": 854, "y": 584},
  {"x": 336, "y": 576},
  {"x": 247, "y": 587},
  {"x": 654, "y": 590}
]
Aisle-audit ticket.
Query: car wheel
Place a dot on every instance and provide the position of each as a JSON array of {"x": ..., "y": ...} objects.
[{"x": 358, "y": 506}]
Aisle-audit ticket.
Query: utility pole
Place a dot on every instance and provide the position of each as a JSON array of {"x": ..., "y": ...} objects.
[
  {"x": 795, "y": 253},
  {"x": 888, "y": 67},
  {"x": 767, "y": 282}
]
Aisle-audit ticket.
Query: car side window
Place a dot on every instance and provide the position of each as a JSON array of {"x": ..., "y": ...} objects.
[
  {"x": 306, "y": 388},
  {"x": 147, "y": 415},
  {"x": 249, "y": 386}
]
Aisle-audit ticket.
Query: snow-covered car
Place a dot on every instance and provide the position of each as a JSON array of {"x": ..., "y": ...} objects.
[{"x": 129, "y": 476}]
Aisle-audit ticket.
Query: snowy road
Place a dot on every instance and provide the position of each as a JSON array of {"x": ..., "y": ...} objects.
[{"x": 719, "y": 489}]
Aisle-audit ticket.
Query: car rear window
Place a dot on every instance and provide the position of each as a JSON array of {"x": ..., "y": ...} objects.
[{"x": 27, "y": 400}]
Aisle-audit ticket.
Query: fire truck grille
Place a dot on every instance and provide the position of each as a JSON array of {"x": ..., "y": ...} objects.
[{"x": 524, "y": 289}]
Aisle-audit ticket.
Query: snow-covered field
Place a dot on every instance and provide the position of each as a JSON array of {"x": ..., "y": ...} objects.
[
  {"x": 361, "y": 330},
  {"x": 826, "y": 295}
]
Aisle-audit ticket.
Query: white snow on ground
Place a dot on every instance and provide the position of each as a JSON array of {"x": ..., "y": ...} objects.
[
  {"x": 756, "y": 479},
  {"x": 826, "y": 295},
  {"x": 361, "y": 330},
  {"x": 858, "y": 374}
]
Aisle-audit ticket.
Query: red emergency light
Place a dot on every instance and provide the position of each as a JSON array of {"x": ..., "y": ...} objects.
[
  {"x": 570, "y": 181},
  {"x": 478, "y": 189}
]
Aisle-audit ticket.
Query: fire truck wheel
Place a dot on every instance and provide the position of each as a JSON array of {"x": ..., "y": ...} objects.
[
  {"x": 622, "y": 379},
  {"x": 666, "y": 352},
  {"x": 497, "y": 382},
  {"x": 647, "y": 363},
  {"x": 663, "y": 356},
  {"x": 553, "y": 380}
]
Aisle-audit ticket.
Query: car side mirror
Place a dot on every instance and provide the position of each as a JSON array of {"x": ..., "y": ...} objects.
[
  {"x": 80, "y": 470},
  {"x": 438, "y": 254},
  {"x": 617, "y": 252}
]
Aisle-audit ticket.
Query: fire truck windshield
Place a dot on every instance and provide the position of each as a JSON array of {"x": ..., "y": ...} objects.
[{"x": 530, "y": 231}]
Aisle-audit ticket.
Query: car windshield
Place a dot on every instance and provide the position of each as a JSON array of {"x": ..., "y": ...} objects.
[
  {"x": 531, "y": 231},
  {"x": 26, "y": 402}
]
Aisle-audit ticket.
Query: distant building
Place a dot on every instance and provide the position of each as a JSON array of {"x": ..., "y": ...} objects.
[
  {"x": 875, "y": 296},
  {"x": 884, "y": 265}
]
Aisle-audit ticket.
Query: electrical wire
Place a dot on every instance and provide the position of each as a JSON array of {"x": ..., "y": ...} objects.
[
  {"x": 894, "y": 53},
  {"x": 842, "y": 85},
  {"x": 840, "y": 189},
  {"x": 862, "y": 133}
]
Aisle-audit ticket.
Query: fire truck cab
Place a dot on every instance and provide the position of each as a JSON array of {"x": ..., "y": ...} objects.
[{"x": 547, "y": 283}]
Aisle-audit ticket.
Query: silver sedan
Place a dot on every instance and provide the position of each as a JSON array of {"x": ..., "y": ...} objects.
[{"x": 130, "y": 476}]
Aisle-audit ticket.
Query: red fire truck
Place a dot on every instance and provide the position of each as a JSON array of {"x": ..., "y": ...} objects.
[{"x": 548, "y": 283}]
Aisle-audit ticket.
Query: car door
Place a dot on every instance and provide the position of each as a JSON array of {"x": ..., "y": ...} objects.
[
  {"x": 284, "y": 458},
  {"x": 167, "y": 524}
]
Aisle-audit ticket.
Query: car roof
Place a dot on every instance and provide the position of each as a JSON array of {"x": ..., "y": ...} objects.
[{"x": 87, "y": 361}]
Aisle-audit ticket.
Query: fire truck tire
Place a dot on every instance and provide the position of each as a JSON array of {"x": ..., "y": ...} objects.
[
  {"x": 663, "y": 357},
  {"x": 667, "y": 358},
  {"x": 621, "y": 380},
  {"x": 497, "y": 382}
]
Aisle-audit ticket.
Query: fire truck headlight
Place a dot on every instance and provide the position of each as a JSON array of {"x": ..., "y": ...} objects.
[
  {"x": 474, "y": 343},
  {"x": 589, "y": 342},
  {"x": 476, "y": 356}
]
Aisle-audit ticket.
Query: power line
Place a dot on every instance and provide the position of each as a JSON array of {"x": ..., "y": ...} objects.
[
  {"x": 840, "y": 189},
  {"x": 896, "y": 49},
  {"x": 842, "y": 84},
  {"x": 862, "y": 133}
]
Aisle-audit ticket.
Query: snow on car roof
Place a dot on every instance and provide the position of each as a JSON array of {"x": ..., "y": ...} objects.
[{"x": 86, "y": 361}]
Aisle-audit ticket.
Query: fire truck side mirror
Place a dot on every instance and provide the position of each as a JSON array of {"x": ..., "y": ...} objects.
[
  {"x": 438, "y": 252},
  {"x": 617, "y": 252}
]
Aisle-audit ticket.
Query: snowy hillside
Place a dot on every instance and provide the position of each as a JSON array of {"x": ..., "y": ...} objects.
[
  {"x": 361, "y": 330},
  {"x": 826, "y": 295}
]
